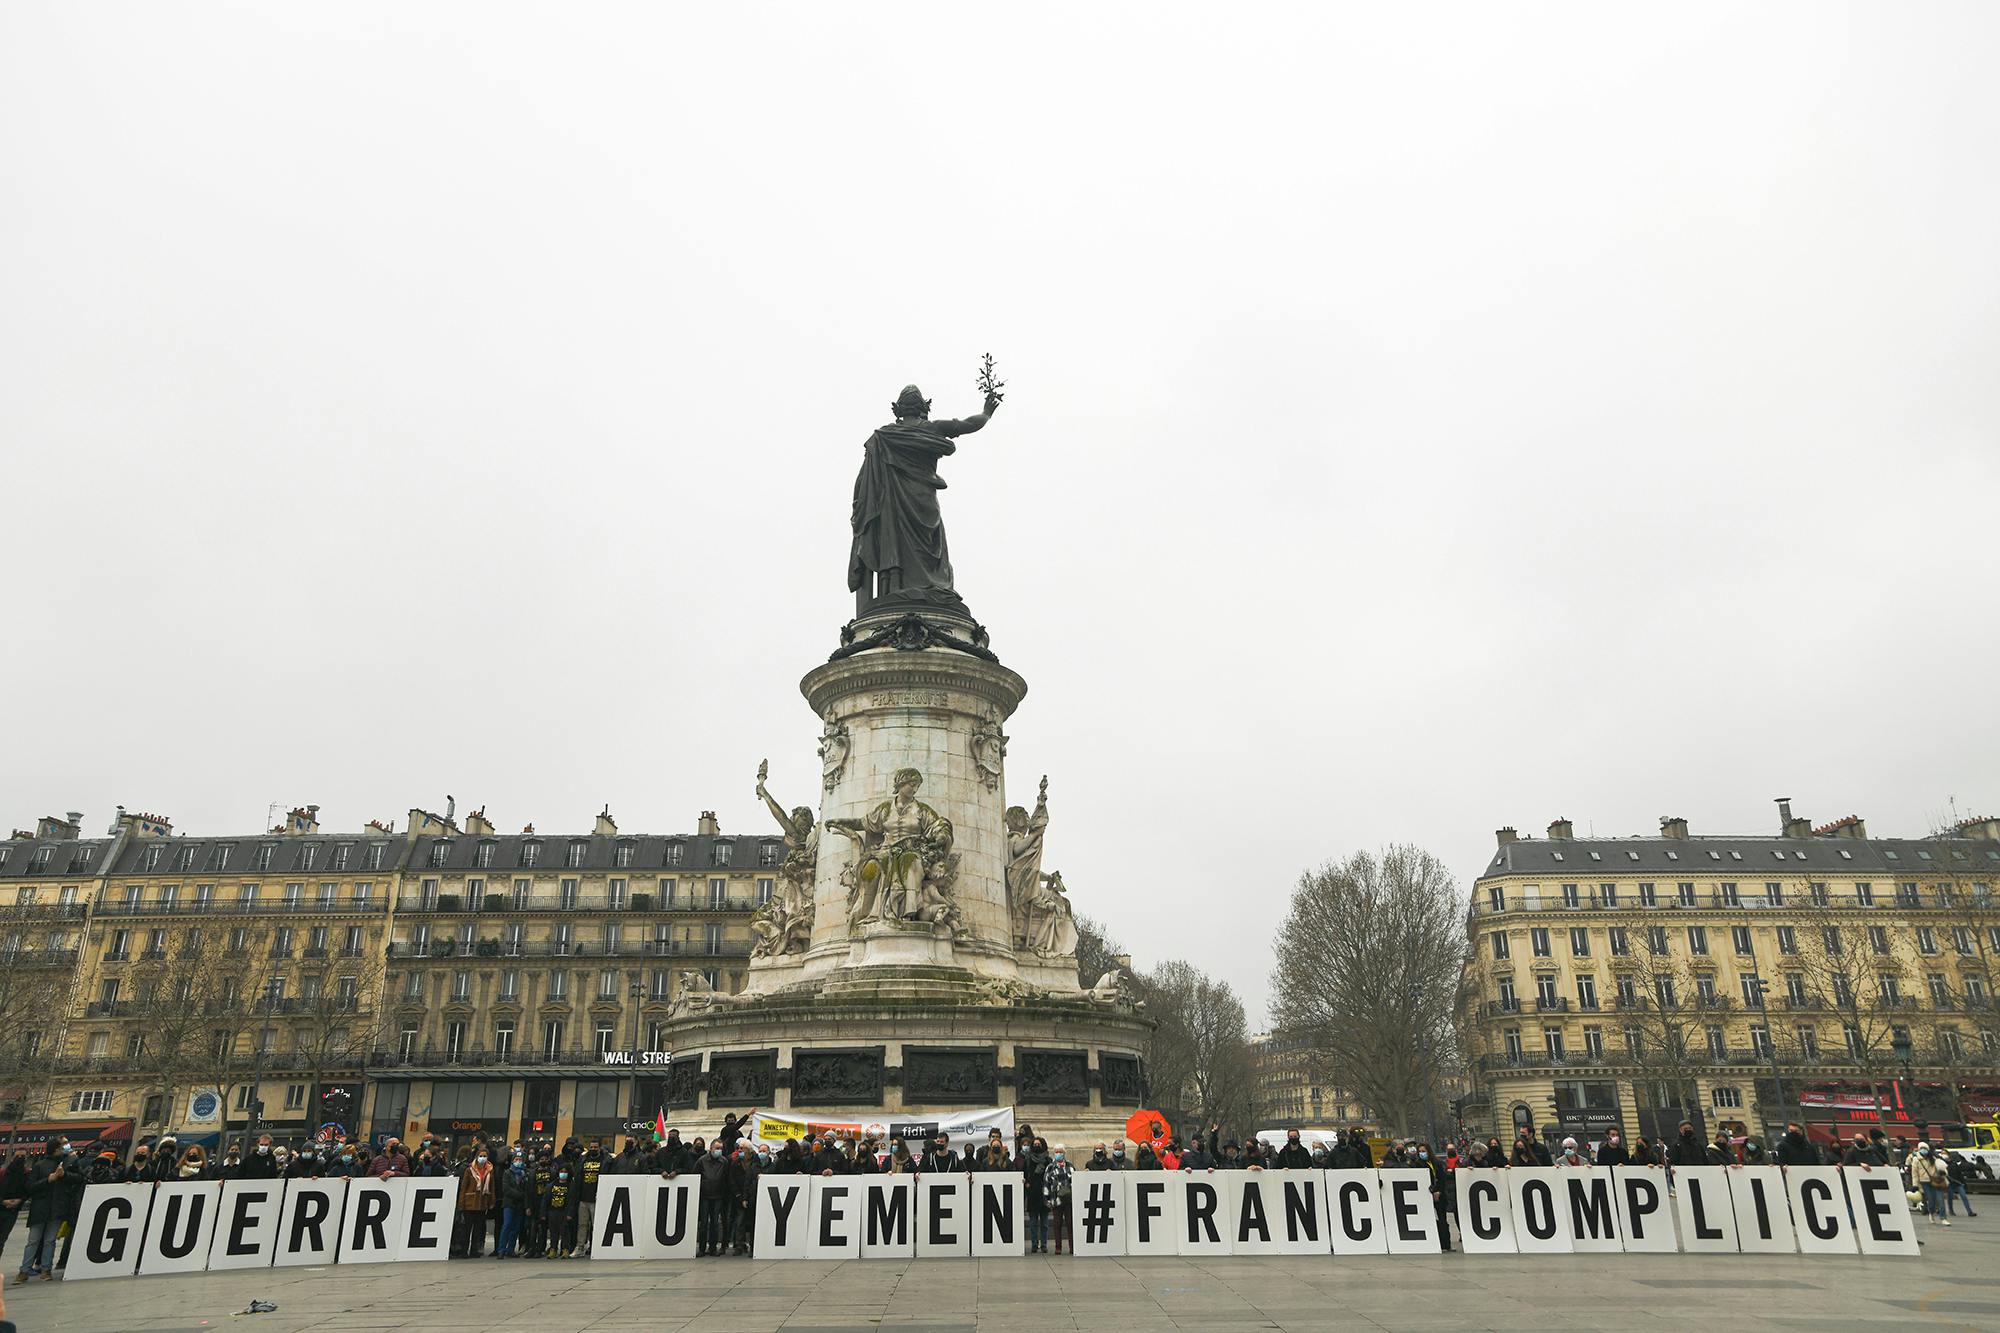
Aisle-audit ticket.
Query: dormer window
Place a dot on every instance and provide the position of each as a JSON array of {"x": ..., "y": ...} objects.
[
  {"x": 531, "y": 853},
  {"x": 722, "y": 851},
  {"x": 440, "y": 854},
  {"x": 152, "y": 858},
  {"x": 376, "y": 851},
  {"x": 308, "y": 856},
  {"x": 674, "y": 852},
  {"x": 185, "y": 859},
  {"x": 266, "y": 851},
  {"x": 341, "y": 854},
  {"x": 577, "y": 851},
  {"x": 623, "y": 856},
  {"x": 482, "y": 856}
]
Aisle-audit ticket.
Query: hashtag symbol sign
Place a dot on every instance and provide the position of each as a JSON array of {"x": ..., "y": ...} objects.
[{"x": 1097, "y": 1209}]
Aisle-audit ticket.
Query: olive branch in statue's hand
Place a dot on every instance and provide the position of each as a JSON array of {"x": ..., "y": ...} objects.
[{"x": 988, "y": 385}]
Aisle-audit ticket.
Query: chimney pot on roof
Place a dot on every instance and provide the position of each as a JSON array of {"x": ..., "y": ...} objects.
[
  {"x": 1981, "y": 826},
  {"x": 1505, "y": 835},
  {"x": 1673, "y": 826},
  {"x": 1561, "y": 830},
  {"x": 707, "y": 825},
  {"x": 607, "y": 827}
]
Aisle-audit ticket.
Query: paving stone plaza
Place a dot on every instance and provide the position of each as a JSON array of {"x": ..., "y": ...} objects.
[{"x": 1955, "y": 1285}]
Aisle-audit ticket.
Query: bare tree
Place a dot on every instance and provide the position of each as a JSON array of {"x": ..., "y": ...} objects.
[
  {"x": 1096, "y": 951},
  {"x": 35, "y": 981},
  {"x": 1201, "y": 1067},
  {"x": 1844, "y": 966},
  {"x": 1368, "y": 963},
  {"x": 339, "y": 1019},
  {"x": 1665, "y": 1018},
  {"x": 174, "y": 998}
]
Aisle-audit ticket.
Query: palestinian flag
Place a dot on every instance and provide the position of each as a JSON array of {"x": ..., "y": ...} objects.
[{"x": 660, "y": 1127}]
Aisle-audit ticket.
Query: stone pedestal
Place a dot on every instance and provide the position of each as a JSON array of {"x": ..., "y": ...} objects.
[{"x": 879, "y": 1019}]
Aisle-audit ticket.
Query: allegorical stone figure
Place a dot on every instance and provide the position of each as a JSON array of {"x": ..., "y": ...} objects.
[
  {"x": 899, "y": 546},
  {"x": 1024, "y": 860},
  {"x": 905, "y": 864},
  {"x": 784, "y": 924},
  {"x": 1052, "y": 933}
]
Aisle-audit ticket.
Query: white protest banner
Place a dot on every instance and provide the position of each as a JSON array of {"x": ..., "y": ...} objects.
[
  {"x": 1485, "y": 1212},
  {"x": 1819, "y": 1207},
  {"x": 1276, "y": 1212},
  {"x": 784, "y": 1221},
  {"x": 1881, "y": 1210},
  {"x": 944, "y": 1228},
  {"x": 429, "y": 1207},
  {"x": 1153, "y": 1212},
  {"x": 1409, "y": 1214},
  {"x": 1645, "y": 1222},
  {"x": 109, "y": 1231},
  {"x": 1763, "y": 1218},
  {"x": 180, "y": 1227},
  {"x": 836, "y": 1217},
  {"x": 889, "y": 1217},
  {"x": 1590, "y": 1212},
  {"x": 644, "y": 1217},
  {"x": 1701, "y": 1202},
  {"x": 1205, "y": 1212},
  {"x": 369, "y": 1235},
  {"x": 1539, "y": 1203},
  {"x": 1354, "y": 1213},
  {"x": 246, "y": 1227},
  {"x": 309, "y": 1223},
  {"x": 999, "y": 1215},
  {"x": 1097, "y": 1212}
]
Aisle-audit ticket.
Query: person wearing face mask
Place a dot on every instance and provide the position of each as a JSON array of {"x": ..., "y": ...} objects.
[
  {"x": 1119, "y": 1160},
  {"x": 390, "y": 1162},
  {"x": 1572, "y": 1155},
  {"x": 1293, "y": 1156},
  {"x": 589, "y": 1168},
  {"x": 1444, "y": 1192},
  {"x": 559, "y": 1211},
  {"x": 743, "y": 1207},
  {"x": 1687, "y": 1148},
  {"x": 1928, "y": 1176},
  {"x": 259, "y": 1164},
  {"x": 717, "y": 1190},
  {"x": 1611, "y": 1150},
  {"x": 1034, "y": 1170},
  {"x": 1198, "y": 1157},
  {"x": 515, "y": 1192},
  {"x": 899, "y": 1162},
  {"x": 541, "y": 1183},
  {"x": 141, "y": 1167},
  {"x": 1099, "y": 1159},
  {"x": 939, "y": 1158},
  {"x": 478, "y": 1191},
  {"x": 1794, "y": 1149},
  {"x": 1056, "y": 1193},
  {"x": 45, "y": 1176},
  {"x": 1232, "y": 1158},
  {"x": 193, "y": 1165},
  {"x": 994, "y": 1157}
]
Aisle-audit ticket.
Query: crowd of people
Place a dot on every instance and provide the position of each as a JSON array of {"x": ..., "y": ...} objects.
[{"x": 539, "y": 1202}]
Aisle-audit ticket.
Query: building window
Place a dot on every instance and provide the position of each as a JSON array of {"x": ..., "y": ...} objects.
[
  {"x": 1950, "y": 1044},
  {"x": 1648, "y": 896},
  {"x": 1496, "y": 898},
  {"x": 658, "y": 989},
  {"x": 510, "y": 985},
  {"x": 1499, "y": 938},
  {"x": 622, "y": 857},
  {"x": 1507, "y": 1001},
  {"x": 1730, "y": 898},
  {"x": 1760, "y": 1039},
  {"x": 552, "y": 1038},
  {"x": 656, "y": 1036},
  {"x": 482, "y": 855},
  {"x": 765, "y": 888},
  {"x": 406, "y": 1041},
  {"x": 1586, "y": 992},
  {"x": 1656, "y": 941},
  {"x": 1570, "y": 896},
  {"x": 511, "y": 942},
  {"x": 1926, "y": 940},
  {"x": 607, "y": 985},
  {"x": 560, "y": 943},
  {"x": 522, "y": 888},
  {"x": 616, "y": 900},
  {"x": 718, "y": 894},
  {"x": 1628, "y": 993},
  {"x": 82, "y": 1103},
  {"x": 503, "y": 1040},
  {"x": 1621, "y": 944},
  {"x": 461, "y": 985},
  {"x": 559, "y": 985},
  {"x": 1961, "y": 940},
  {"x": 454, "y": 1040},
  {"x": 1878, "y": 939},
  {"x": 1940, "y": 990},
  {"x": 413, "y": 986},
  {"x": 603, "y": 1037},
  {"x": 568, "y": 894},
  {"x": 1788, "y": 939},
  {"x": 1538, "y": 941},
  {"x": 1552, "y": 1041},
  {"x": 1830, "y": 938},
  {"x": 721, "y": 852},
  {"x": 1607, "y": 895},
  {"x": 1663, "y": 991},
  {"x": 1889, "y": 988},
  {"x": 1512, "y": 1039},
  {"x": 576, "y": 853},
  {"x": 1718, "y": 1049},
  {"x": 673, "y": 853},
  {"x": 1698, "y": 940},
  {"x": 1685, "y": 894},
  {"x": 531, "y": 853},
  {"x": 1579, "y": 942},
  {"x": 1593, "y": 1043},
  {"x": 1545, "y": 992},
  {"x": 1725, "y": 1098},
  {"x": 1752, "y": 991},
  {"x": 1635, "y": 1043}
]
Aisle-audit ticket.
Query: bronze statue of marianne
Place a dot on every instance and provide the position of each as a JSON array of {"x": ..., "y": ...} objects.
[{"x": 899, "y": 549}]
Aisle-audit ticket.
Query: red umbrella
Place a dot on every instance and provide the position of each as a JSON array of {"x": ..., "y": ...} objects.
[{"x": 1146, "y": 1127}]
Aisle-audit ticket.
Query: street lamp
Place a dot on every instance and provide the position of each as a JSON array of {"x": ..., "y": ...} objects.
[
  {"x": 632, "y": 1102},
  {"x": 1758, "y": 985},
  {"x": 1901, "y": 1045}
]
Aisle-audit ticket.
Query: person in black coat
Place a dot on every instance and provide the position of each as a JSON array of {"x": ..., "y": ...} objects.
[
  {"x": 939, "y": 1158},
  {"x": 46, "y": 1176},
  {"x": 1198, "y": 1158},
  {"x": 671, "y": 1158},
  {"x": 743, "y": 1205},
  {"x": 1294, "y": 1156},
  {"x": 13, "y": 1193},
  {"x": 1794, "y": 1149},
  {"x": 718, "y": 1191},
  {"x": 1688, "y": 1149},
  {"x": 1611, "y": 1152}
]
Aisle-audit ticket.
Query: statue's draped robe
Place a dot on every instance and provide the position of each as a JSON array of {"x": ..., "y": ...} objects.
[{"x": 897, "y": 526}]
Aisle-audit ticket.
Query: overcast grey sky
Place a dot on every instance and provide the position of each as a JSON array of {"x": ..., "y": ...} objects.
[{"x": 1421, "y": 419}]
